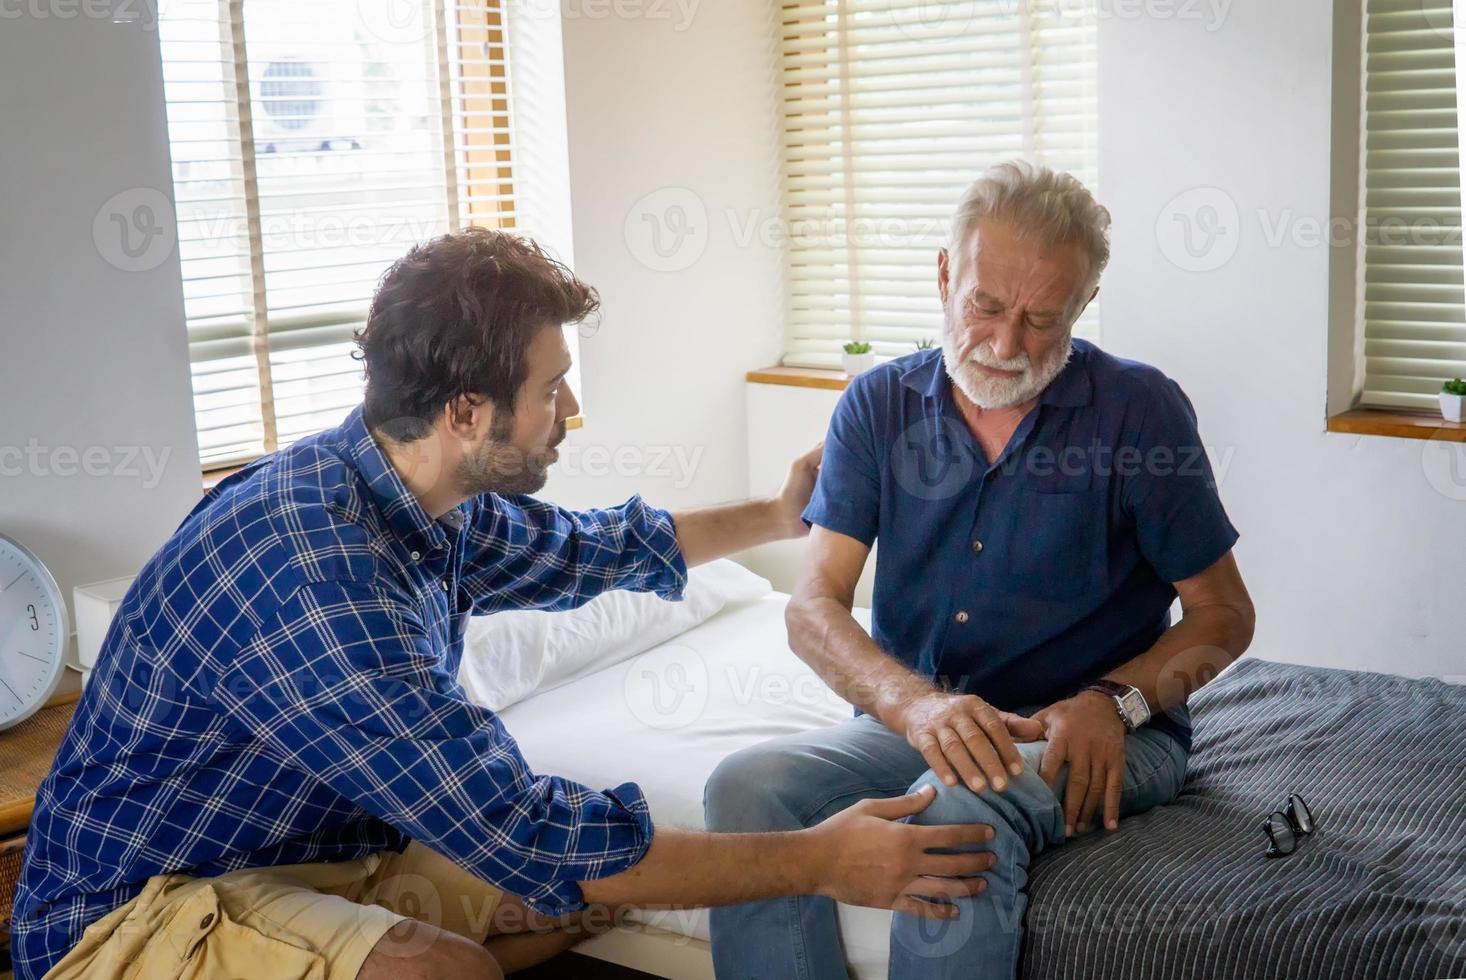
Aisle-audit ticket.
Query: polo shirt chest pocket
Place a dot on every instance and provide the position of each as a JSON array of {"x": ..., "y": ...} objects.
[{"x": 1060, "y": 533}]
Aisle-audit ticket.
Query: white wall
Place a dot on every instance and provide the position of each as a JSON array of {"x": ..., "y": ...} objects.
[
  {"x": 784, "y": 421},
  {"x": 1352, "y": 553},
  {"x": 93, "y": 359},
  {"x": 672, "y": 127}
]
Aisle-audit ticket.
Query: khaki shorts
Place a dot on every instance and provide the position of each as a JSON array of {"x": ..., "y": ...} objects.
[{"x": 314, "y": 921}]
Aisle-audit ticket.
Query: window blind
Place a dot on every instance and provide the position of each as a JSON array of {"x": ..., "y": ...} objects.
[
  {"x": 1414, "y": 308},
  {"x": 313, "y": 142},
  {"x": 890, "y": 108}
]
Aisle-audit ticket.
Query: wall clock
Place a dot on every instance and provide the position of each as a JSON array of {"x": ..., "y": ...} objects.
[{"x": 33, "y": 633}]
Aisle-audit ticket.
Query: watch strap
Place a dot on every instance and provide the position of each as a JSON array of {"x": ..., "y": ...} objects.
[
  {"x": 1112, "y": 688},
  {"x": 1121, "y": 693}
]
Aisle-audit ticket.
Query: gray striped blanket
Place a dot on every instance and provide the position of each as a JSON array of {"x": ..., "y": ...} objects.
[{"x": 1183, "y": 892}]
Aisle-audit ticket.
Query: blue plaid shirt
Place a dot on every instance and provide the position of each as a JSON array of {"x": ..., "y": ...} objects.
[{"x": 280, "y": 686}]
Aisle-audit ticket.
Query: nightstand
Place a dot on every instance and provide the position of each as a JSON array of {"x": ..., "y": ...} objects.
[{"x": 28, "y": 750}]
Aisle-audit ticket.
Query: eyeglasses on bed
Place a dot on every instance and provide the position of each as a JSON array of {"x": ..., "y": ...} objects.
[{"x": 1286, "y": 827}]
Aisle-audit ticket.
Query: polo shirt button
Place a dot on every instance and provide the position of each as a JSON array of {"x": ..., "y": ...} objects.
[
  {"x": 206, "y": 921},
  {"x": 961, "y": 616},
  {"x": 445, "y": 585},
  {"x": 976, "y": 547},
  {"x": 416, "y": 555}
]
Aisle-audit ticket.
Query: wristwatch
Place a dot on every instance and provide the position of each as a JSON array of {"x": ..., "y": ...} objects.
[{"x": 1129, "y": 702}]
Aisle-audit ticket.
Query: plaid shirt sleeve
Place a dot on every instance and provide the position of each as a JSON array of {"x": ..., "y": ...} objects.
[
  {"x": 524, "y": 553},
  {"x": 344, "y": 683}
]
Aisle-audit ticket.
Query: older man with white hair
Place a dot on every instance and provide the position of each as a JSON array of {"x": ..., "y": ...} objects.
[{"x": 1039, "y": 505}]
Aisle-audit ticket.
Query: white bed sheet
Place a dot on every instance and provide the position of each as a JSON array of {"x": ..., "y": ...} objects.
[{"x": 665, "y": 719}]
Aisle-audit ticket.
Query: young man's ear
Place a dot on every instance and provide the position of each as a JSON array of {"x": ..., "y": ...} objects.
[{"x": 467, "y": 415}]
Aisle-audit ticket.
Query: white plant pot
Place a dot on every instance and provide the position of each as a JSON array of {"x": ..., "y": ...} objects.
[
  {"x": 1451, "y": 406},
  {"x": 856, "y": 363}
]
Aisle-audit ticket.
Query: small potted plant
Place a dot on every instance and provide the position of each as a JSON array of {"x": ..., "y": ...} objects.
[
  {"x": 858, "y": 357},
  {"x": 1453, "y": 398},
  {"x": 925, "y": 343}
]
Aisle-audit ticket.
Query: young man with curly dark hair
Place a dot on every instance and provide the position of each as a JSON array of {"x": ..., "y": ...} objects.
[{"x": 274, "y": 772}]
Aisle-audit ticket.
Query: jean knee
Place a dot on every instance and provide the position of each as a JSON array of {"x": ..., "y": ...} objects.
[
  {"x": 1032, "y": 754},
  {"x": 754, "y": 789},
  {"x": 1025, "y": 815},
  {"x": 953, "y": 804}
]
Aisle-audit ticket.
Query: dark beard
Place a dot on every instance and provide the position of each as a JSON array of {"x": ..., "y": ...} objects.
[{"x": 500, "y": 467}]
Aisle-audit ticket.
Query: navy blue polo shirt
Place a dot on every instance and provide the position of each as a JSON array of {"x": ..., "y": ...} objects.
[{"x": 1021, "y": 579}]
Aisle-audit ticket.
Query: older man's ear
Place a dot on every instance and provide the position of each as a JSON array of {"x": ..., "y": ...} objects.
[{"x": 1080, "y": 312}]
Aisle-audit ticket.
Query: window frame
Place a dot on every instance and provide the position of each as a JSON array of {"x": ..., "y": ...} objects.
[
  {"x": 1348, "y": 410},
  {"x": 473, "y": 81},
  {"x": 1040, "y": 77}
]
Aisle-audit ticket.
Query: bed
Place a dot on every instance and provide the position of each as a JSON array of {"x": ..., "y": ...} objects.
[
  {"x": 1181, "y": 892},
  {"x": 664, "y": 719}
]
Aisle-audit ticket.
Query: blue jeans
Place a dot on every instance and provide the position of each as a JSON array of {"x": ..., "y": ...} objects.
[{"x": 799, "y": 780}]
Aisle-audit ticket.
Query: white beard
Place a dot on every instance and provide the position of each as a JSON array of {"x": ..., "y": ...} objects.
[{"x": 989, "y": 391}]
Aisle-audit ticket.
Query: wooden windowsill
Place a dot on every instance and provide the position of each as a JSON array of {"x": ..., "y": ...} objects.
[
  {"x": 215, "y": 476},
  {"x": 800, "y": 378},
  {"x": 1397, "y": 423}
]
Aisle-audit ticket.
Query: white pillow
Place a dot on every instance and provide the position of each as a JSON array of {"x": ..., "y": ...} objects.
[{"x": 509, "y": 656}]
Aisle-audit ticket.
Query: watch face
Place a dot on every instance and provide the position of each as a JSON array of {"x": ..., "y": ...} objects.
[{"x": 1132, "y": 702}]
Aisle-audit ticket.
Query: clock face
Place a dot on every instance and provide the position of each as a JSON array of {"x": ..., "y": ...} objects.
[{"x": 33, "y": 633}]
